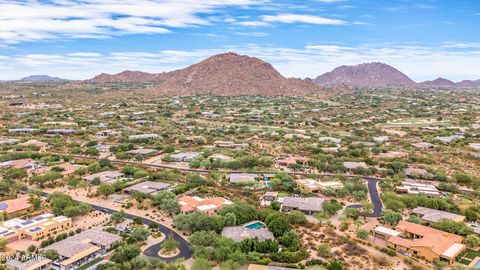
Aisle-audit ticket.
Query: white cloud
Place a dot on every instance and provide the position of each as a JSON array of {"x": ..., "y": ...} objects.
[
  {"x": 253, "y": 23},
  {"x": 39, "y": 20},
  {"x": 417, "y": 61},
  {"x": 300, "y": 18},
  {"x": 462, "y": 45}
]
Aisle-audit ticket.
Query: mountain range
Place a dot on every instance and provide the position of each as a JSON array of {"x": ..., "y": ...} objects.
[
  {"x": 223, "y": 74},
  {"x": 233, "y": 74},
  {"x": 42, "y": 78}
]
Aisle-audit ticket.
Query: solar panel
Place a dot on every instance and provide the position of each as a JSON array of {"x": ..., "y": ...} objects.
[{"x": 36, "y": 229}]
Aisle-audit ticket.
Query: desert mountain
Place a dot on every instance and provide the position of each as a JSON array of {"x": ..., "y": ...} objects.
[
  {"x": 223, "y": 74},
  {"x": 126, "y": 76},
  {"x": 41, "y": 78},
  {"x": 439, "y": 82},
  {"x": 369, "y": 74}
]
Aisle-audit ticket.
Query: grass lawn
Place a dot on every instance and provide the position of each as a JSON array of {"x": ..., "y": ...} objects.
[
  {"x": 90, "y": 264},
  {"x": 468, "y": 256}
]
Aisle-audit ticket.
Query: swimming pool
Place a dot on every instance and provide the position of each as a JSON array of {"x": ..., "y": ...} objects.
[
  {"x": 254, "y": 225},
  {"x": 477, "y": 265}
]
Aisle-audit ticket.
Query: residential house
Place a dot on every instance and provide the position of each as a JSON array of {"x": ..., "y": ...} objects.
[
  {"x": 425, "y": 242},
  {"x": 351, "y": 165},
  {"x": 37, "y": 228},
  {"x": 292, "y": 160},
  {"x": 108, "y": 177},
  {"x": 148, "y": 187},
  {"x": 415, "y": 188},
  {"x": 239, "y": 233},
  {"x": 308, "y": 206},
  {"x": 423, "y": 145},
  {"x": 27, "y": 164},
  {"x": 143, "y": 137},
  {"x": 82, "y": 248},
  {"x": 242, "y": 177},
  {"x": 185, "y": 156},
  {"x": 16, "y": 206},
  {"x": 208, "y": 205},
  {"x": 32, "y": 264},
  {"x": 432, "y": 215},
  {"x": 314, "y": 186},
  {"x": 61, "y": 131}
]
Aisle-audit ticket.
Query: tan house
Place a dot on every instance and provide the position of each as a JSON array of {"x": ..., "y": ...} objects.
[
  {"x": 314, "y": 186},
  {"x": 34, "y": 229},
  {"x": 425, "y": 242}
]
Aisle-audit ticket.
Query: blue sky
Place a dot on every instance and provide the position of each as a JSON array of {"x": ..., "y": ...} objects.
[{"x": 425, "y": 39}]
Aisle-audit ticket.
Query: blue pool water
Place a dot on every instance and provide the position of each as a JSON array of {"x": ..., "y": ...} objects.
[
  {"x": 477, "y": 265},
  {"x": 255, "y": 225}
]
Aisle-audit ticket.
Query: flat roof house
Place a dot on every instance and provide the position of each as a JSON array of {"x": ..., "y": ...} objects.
[
  {"x": 314, "y": 186},
  {"x": 185, "y": 156},
  {"x": 415, "y": 188},
  {"x": 34, "y": 229},
  {"x": 309, "y": 205},
  {"x": 148, "y": 187},
  {"x": 242, "y": 177},
  {"x": 432, "y": 215},
  {"x": 61, "y": 131},
  {"x": 208, "y": 205},
  {"x": 82, "y": 248},
  {"x": 425, "y": 242},
  {"x": 143, "y": 136},
  {"x": 108, "y": 177}
]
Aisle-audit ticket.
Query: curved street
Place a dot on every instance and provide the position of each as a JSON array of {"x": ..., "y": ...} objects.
[
  {"x": 152, "y": 251},
  {"x": 374, "y": 196}
]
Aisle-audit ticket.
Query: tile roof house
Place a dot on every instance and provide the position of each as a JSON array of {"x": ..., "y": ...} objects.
[
  {"x": 353, "y": 165},
  {"x": 32, "y": 264},
  {"x": 208, "y": 205},
  {"x": 309, "y": 205},
  {"x": 239, "y": 233},
  {"x": 292, "y": 160},
  {"x": 433, "y": 215},
  {"x": 26, "y": 163},
  {"x": 426, "y": 242},
  {"x": 16, "y": 206}
]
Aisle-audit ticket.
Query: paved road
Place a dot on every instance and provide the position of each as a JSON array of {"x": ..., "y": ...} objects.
[
  {"x": 374, "y": 196},
  {"x": 152, "y": 251}
]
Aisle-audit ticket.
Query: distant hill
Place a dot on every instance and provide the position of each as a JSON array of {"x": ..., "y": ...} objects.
[
  {"x": 223, "y": 74},
  {"x": 42, "y": 78},
  {"x": 441, "y": 82},
  {"x": 368, "y": 74},
  {"x": 126, "y": 76}
]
